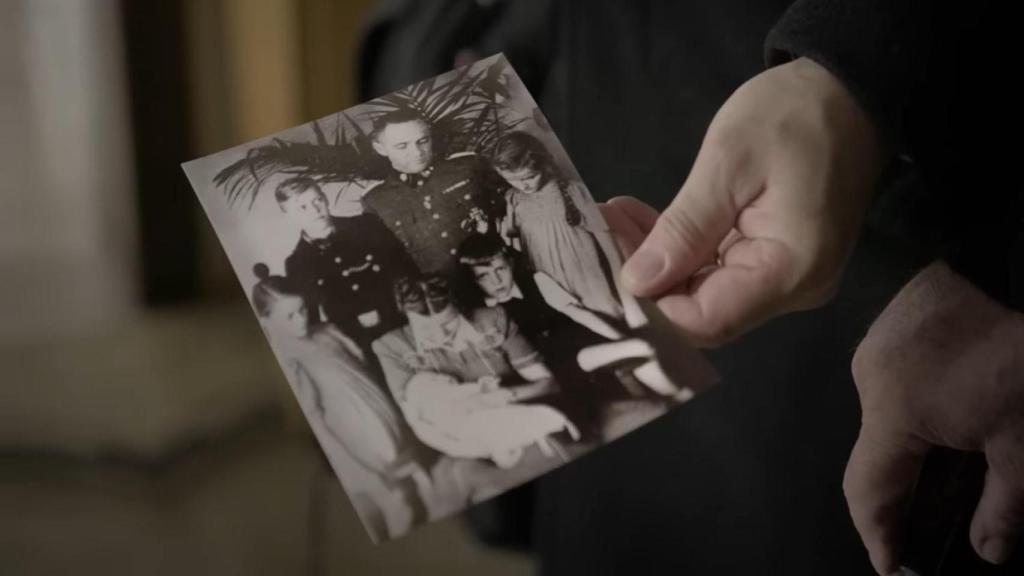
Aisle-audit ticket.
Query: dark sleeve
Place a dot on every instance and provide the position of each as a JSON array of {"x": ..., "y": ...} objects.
[
  {"x": 518, "y": 350},
  {"x": 493, "y": 186},
  {"x": 289, "y": 265},
  {"x": 927, "y": 73},
  {"x": 879, "y": 49},
  {"x": 297, "y": 270}
]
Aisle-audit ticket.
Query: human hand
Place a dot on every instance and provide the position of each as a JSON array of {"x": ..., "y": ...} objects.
[
  {"x": 766, "y": 219},
  {"x": 942, "y": 366}
]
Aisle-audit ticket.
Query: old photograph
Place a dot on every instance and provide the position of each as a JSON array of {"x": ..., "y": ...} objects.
[{"x": 441, "y": 292}]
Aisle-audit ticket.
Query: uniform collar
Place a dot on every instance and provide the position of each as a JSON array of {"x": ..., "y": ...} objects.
[
  {"x": 415, "y": 180},
  {"x": 324, "y": 242}
]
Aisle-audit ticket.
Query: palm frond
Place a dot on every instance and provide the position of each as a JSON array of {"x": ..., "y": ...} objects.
[
  {"x": 319, "y": 160},
  {"x": 468, "y": 113}
]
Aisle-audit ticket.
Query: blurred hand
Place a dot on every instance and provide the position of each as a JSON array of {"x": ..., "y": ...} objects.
[
  {"x": 942, "y": 366},
  {"x": 770, "y": 212}
]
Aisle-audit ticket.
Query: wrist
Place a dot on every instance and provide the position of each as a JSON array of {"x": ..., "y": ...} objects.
[{"x": 841, "y": 107}]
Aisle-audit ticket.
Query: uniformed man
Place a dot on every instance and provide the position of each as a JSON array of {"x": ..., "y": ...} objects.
[
  {"x": 431, "y": 206},
  {"x": 345, "y": 265}
]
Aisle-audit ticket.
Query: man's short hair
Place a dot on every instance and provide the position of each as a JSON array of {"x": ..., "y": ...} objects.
[
  {"x": 399, "y": 116},
  {"x": 294, "y": 186}
]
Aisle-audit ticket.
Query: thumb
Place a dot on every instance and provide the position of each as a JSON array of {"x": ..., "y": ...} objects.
[
  {"x": 999, "y": 517},
  {"x": 688, "y": 233}
]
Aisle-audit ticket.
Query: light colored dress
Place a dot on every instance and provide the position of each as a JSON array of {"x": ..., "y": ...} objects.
[
  {"x": 487, "y": 343},
  {"x": 357, "y": 408},
  {"x": 437, "y": 383},
  {"x": 568, "y": 254},
  {"x": 359, "y": 426}
]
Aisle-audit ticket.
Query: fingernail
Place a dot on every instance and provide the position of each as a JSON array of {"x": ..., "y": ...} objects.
[
  {"x": 995, "y": 550},
  {"x": 643, "y": 268}
]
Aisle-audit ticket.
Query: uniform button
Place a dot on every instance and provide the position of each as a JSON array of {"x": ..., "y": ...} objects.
[
  {"x": 355, "y": 287},
  {"x": 376, "y": 268},
  {"x": 319, "y": 281},
  {"x": 466, "y": 197},
  {"x": 369, "y": 257},
  {"x": 426, "y": 198},
  {"x": 437, "y": 216},
  {"x": 444, "y": 234},
  {"x": 452, "y": 251},
  {"x": 398, "y": 222},
  {"x": 337, "y": 259},
  {"x": 345, "y": 273}
]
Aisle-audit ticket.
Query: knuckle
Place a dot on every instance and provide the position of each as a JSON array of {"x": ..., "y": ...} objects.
[
  {"x": 723, "y": 139},
  {"x": 682, "y": 228},
  {"x": 862, "y": 363}
]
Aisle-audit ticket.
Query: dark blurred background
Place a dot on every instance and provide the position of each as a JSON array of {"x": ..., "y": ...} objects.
[{"x": 144, "y": 426}]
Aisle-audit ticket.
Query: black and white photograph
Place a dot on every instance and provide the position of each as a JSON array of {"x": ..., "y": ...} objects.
[{"x": 440, "y": 290}]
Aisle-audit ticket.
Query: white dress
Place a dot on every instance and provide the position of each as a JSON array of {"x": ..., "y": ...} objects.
[{"x": 568, "y": 254}]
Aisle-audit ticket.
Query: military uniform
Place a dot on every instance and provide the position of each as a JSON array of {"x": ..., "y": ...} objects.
[
  {"x": 434, "y": 211},
  {"x": 348, "y": 277}
]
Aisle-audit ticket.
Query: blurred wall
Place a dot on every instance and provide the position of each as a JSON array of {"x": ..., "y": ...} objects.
[
  {"x": 259, "y": 66},
  {"x": 68, "y": 231},
  {"x": 86, "y": 369},
  {"x": 67, "y": 235}
]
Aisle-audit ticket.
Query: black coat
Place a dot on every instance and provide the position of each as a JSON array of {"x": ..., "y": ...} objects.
[
  {"x": 432, "y": 215},
  {"x": 349, "y": 277},
  {"x": 746, "y": 479}
]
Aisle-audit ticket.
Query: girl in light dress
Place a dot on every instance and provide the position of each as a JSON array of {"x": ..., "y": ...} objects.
[
  {"x": 354, "y": 419},
  {"x": 554, "y": 222}
]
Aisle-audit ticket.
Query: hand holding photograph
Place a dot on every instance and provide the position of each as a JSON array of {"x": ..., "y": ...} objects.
[{"x": 441, "y": 292}]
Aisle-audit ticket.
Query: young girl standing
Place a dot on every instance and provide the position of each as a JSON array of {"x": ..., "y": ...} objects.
[{"x": 556, "y": 235}]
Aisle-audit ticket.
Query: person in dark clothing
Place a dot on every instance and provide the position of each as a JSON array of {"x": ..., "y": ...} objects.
[
  {"x": 491, "y": 277},
  {"x": 748, "y": 477},
  {"x": 346, "y": 265},
  {"x": 430, "y": 203},
  {"x": 773, "y": 206}
]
